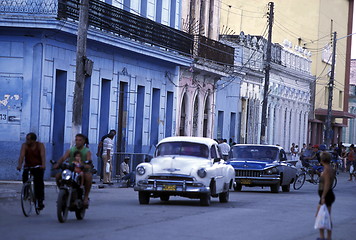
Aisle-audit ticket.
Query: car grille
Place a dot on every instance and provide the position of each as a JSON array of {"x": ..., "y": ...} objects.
[
  {"x": 171, "y": 178},
  {"x": 248, "y": 173}
]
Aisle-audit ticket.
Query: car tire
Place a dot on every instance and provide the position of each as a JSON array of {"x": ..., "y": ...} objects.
[
  {"x": 238, "y": 187},
  {"x": 286, "y": 188},
  {"x": 164, "y": 198},
  {"x": 205, "y": 199},
  {"x": 144, "y": 197},
  {"x": 224, "y": 197},
  {"x": 275, "y": 188}
]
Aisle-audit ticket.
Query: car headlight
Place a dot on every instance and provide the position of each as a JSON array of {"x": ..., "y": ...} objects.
[
  {"x": 66, "y": 174},
  {"x": 140, "y": 170},
  {"x": 272, "y": 171},
  {"x": 201, "y": 173}
]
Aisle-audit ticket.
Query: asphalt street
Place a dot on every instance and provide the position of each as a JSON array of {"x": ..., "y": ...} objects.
[{"x": 115, "y": 213}]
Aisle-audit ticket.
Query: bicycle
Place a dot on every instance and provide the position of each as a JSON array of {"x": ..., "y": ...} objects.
[
  {"x": 302, "y": 175},
  {"x": 28, "y": 198}
]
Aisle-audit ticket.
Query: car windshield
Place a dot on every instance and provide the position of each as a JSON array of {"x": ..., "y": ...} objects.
[
  {"x": 183, "y": 148},
  {"x": 259, "y": 153}
]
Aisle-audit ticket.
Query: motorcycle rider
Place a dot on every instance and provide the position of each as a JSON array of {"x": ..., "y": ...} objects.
[{"x": 86, "y": 159}]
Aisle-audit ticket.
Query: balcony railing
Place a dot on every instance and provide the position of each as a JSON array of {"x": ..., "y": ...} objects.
[
  {"x": 30, "y": 7},
  {"x": 112, "y": 19},
  {"x": 119, "y": 22},
  {"x": 213, "y": 50}
]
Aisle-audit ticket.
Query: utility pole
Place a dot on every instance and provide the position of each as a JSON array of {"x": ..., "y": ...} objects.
[
  {"x": 80, "y": 67},
  {"x": 328, "y": 129},
  {"x": 267, "y": 68}
]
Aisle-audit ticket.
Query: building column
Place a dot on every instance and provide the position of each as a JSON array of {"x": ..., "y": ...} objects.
[{"x": 270, "y": 125}]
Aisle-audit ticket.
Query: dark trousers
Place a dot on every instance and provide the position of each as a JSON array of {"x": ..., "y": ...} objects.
[{"x": 37, "y": 174}]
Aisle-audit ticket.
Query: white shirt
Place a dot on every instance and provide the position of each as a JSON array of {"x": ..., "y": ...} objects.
[
  {"x": 224, "y": 148},
  {"x": 108, "y": 144},
  {"x": 124, "y": 167}
]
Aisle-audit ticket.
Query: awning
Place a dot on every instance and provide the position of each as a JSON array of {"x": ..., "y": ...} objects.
[
  {"x": 339, "y": 125},
  {"x": 315, "y": 121},
  {"x": 334, "y": 113}
]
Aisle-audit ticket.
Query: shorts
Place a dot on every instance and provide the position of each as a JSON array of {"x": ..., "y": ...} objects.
[{"x": 329, "y": 198}]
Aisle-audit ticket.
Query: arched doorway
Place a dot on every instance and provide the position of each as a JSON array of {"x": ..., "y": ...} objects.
[
  {"x": 206, "y": 115},
  {"x": 196, "y": 116},
  {"x": 183, "y": 116}
]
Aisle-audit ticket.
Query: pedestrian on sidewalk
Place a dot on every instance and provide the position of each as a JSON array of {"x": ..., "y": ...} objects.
[
  {"x": 125, "y": 173},
  {"x": 33, "y": 152},
  {"x": 99, "y": 153},
  {"x": 224, "y": 149},
  {"x": 108, "y": 146},
  {"x": 351, "y": 162}
]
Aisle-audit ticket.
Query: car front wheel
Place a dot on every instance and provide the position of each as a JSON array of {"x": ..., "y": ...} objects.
[
  {"x": 286, "y": 188},
  {"x": 275, "y": 188},
  {"x": 205, "y": 199},
  {"x": 144, "y": 197},
  {"x": 224, "y": 197},
  {"x": 238, "y": 187}
]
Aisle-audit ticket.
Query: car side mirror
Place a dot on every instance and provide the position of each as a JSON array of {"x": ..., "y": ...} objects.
[{"x": 216, "y": 160}]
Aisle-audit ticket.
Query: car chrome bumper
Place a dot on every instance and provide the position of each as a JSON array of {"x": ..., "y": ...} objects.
[
  {"x": 171, "y": 186},
  {"x": 258, "y": 181}
]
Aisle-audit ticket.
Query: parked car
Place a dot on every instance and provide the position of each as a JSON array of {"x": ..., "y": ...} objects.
[
  {"x": 262, "y": 165},
  {"x": 185, "y": 166}
]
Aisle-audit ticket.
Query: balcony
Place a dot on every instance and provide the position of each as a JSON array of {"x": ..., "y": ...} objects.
[
  {"x": 112, "y": 20},
  {"x": 213, "y": 51}
]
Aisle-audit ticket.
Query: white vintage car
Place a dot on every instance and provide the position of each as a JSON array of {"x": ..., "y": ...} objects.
[{"x": 185, "y": 166}]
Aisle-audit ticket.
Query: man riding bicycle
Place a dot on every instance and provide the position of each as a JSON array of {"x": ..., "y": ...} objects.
[
  {"x": 316, "y": 168},
  {"x": 86, "y": 158},
  {"x": 33, "y": 152}
]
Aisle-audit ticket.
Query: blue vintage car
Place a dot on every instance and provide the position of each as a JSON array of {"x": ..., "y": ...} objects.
[{"x": 262, "y": 165}]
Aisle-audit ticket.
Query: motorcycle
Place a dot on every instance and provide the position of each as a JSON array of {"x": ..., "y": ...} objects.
[{"x": 71, "y": 195}]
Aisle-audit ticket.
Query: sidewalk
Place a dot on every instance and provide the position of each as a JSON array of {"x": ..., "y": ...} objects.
[{"x": 8, "y": 187}]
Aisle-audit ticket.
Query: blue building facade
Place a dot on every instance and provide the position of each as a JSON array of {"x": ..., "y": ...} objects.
[{"x": 132, "y": 87}]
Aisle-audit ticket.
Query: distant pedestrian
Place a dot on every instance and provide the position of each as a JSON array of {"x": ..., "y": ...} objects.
[
  {"x": 224, "y": 149},
  {"x": 33, "y": 152},
  {"x": 125, "y": 173},
  {"x": 99, "y": 152},
  {"x": 325, "y": 191},
  {"x": 351, "y": 162},
  {"x": 107, "y": 157}
]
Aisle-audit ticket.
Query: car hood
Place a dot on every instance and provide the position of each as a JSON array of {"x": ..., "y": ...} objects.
[
  {"x": 178, "y": 164},
  {"x": 255, "y": 165}
]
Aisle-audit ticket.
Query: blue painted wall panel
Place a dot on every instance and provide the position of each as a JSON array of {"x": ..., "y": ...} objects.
[{"x": 59, "y": 55}]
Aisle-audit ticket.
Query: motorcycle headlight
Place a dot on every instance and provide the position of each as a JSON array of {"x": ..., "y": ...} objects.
[
  {"x": 201, "y": 173},
  {"x": 140, "y": 170},
  {"x": 272, "y": 171},
  {"x": 66, "y": 174}
]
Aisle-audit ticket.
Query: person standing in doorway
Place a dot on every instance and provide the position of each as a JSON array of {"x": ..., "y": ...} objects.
[
  {"x": 33, "y": 152},
  {"x": 99, "y": 152},
  {"x": 108, "y": 145}
]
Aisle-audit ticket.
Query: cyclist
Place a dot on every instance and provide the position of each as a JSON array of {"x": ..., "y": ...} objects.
[
  {"x": 316, "y": 169},
  {"x": 80, "y": 140},
  {"x": 33, "y": 152}
]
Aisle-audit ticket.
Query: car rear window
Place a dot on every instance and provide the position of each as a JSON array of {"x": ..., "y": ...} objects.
[
  {"x": 260, "y": 153},
  {"x": 182, "y": 148}
]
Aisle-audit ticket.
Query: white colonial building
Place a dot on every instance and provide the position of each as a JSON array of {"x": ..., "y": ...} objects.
[{"x": 289, "y": 96}]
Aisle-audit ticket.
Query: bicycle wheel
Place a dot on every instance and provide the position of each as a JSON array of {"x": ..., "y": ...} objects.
[
  {"x": 299, "y": 181},
  {"x": 26, "y": 199},
  {"x": 334, "y": 183}
]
